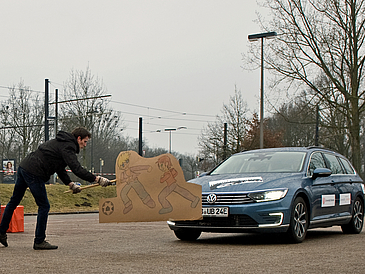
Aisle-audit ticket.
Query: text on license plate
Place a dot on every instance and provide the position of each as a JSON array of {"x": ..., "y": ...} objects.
[{"x": 215, "y": 211}]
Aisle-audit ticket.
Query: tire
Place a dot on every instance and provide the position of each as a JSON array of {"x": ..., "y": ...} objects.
[
  {"x": 298, "y": 226},
  {"x": 357, "y": 220},
  {"x": 187, "y": 234}
]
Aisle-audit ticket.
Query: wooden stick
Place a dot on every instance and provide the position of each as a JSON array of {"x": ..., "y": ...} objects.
[{"x": 89, "y": 186}]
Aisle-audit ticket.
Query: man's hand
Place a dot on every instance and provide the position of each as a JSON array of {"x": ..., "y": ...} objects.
[
  {"x": 104, "y": 182},
  {"x": 74, "y": 187}
]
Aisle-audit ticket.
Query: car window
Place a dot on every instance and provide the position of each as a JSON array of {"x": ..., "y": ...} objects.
[
  {"x": 334, "y": 164},
  {"x": 280, "y": 161},
  {"x": 316, "y": 161},
  {"x": 348, "y": 168}
]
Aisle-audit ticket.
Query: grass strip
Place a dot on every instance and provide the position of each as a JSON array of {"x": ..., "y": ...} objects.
[{"x": 86, "y": 200}]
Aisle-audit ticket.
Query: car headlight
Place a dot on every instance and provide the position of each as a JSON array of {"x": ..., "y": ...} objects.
[{"x": 270, "y": 195}]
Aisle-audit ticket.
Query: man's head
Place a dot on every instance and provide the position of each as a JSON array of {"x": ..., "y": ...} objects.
[
  {"x": 82, "y": 135},
  {"x": 164, "y": 163}
]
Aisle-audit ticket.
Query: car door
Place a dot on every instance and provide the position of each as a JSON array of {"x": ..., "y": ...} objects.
[
  {"x": 343, "y": 183},
  {"x": 323, "y": 191}
]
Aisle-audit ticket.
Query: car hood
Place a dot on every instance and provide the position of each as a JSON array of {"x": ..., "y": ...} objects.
[{"x": 246, "y": 182}]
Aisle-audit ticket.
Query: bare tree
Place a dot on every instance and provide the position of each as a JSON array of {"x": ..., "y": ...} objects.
[
  {"x": 87, "y": 108},
  {"x": 322, "y": 38},
  {"x": 297, "y": 122},
  {"x": 212, "y": 138},
  {"x": 22, "y": 117},
  {"x": 273, "y": 136},
  {"x": 189, "y": 166},
  {"x": 7, "y": 133},
  {"x": 303, "y": 117}
]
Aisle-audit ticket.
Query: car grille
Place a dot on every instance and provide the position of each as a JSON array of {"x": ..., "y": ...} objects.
[
  {"x": 227, "y": 199},
  {"x": 231, "y": 221}
]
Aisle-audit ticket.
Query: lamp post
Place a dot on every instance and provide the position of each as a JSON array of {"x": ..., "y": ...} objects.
[
  {"x": 170, "y": 130},
  {"x": 252, "y": 38}
]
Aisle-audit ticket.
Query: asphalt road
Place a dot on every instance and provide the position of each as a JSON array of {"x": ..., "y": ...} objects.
[{"x": 86, "y": 246}]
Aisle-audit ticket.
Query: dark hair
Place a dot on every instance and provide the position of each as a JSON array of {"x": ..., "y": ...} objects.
[{"x": 82, "y": 132}]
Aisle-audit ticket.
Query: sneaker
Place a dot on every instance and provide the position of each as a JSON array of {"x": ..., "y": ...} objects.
[
  {"x": 44, "y": 245},
  {"x": 165, "y": 210},
  {"x": 3, "y": 240},
  {"x": 128, "y": 208}
]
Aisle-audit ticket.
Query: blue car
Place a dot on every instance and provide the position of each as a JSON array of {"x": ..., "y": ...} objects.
[{"x": 287, "y": 190}]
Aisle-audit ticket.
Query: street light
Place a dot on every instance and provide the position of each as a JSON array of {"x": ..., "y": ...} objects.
[
  {"x": 170, "y": 130},
  {"x": 252, "y": 38}
]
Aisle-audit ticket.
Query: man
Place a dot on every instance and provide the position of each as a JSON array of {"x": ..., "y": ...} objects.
[{"x": 51, "y": 157}]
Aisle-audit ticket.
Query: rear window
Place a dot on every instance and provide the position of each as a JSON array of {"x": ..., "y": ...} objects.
[
  {"x": 281, "y": 161},
  {"x": 334, "y": 164},
  {"x": 349, "y": 169}
]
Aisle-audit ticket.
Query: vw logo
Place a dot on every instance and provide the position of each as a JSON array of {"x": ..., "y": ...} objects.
[{"x": 211, "y": 198}]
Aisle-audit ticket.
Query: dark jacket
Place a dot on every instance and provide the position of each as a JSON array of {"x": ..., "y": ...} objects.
[{"x": 53, "y": 156}]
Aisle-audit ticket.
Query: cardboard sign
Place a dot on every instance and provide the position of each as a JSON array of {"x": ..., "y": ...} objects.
[{"x": 151, "y": 189}]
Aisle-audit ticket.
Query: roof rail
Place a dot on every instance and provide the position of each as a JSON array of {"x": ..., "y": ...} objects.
[{"x": 324, "y": 148}]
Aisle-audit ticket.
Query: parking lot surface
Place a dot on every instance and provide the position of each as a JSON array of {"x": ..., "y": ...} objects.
[{"x": 86, "y": 246}]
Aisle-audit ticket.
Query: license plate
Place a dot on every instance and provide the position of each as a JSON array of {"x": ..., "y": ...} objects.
[{"x": 215, "y": 211}]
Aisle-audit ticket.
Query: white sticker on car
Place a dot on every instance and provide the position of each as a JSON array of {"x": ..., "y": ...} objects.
[
  {"x": 328, "y": 200},
  {"x": 235, "y": 181},
  {"x": 345, "y": 199}
]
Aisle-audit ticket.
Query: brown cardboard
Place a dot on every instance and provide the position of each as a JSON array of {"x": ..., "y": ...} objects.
[{"x": 150, "y": 189}]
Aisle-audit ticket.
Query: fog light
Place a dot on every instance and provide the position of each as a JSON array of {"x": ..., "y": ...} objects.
[{"x": 275, "y": 220}]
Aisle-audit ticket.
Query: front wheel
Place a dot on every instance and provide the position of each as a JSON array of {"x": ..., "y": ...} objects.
[
  {"x": 357, "y": 220},
  {"x": 187, "y": 234},
  {"x": 298, "y": 221}
]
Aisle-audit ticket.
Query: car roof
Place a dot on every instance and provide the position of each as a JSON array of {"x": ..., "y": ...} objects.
[{"x": 299, "y": 149}]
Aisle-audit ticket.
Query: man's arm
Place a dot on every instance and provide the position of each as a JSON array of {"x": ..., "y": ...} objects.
[
  {"x": 62, "y": 174},
  {"x": 70, "y": 158}
]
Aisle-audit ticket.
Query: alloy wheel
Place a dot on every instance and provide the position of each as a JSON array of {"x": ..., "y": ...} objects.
[
  {"x": 300, "y": 221},
  {"x": 358, "y": 214}
]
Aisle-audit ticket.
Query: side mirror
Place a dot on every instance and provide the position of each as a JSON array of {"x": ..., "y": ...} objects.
[{"x": 321, "y": 172}]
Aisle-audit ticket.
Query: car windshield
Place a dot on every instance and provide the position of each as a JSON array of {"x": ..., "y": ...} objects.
[{"x": 280, "y": 161}]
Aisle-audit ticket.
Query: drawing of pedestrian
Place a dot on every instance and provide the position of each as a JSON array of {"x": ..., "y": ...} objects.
[
  {"x": 168, "y": 177},
  {"x": 129, "y": 176}
]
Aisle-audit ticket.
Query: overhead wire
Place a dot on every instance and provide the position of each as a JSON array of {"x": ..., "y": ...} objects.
[
  {"x": 163, "y": 110},
  {"x": 17, "y": 88},
  {"x": 123, "y": 103},
  {"x": 150, "y": 117}
]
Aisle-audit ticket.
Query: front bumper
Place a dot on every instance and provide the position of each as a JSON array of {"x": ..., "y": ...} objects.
[
  {"x": 206, "y": 225},
  {"x": 254, "y": 217}
]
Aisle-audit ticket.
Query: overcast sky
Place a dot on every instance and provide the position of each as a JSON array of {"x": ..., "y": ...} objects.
[{"x": 173, "y": 63}]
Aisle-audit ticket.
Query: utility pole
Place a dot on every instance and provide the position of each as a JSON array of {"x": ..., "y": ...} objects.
[
  {"x": 46, "y": 110},
  {"x": 140, "y": 152},
  {"x": 56, "y": 113},
  {"x": 92, "y": 144},
  {"x": 225, "y": 142},
  {"x": 316, "y": 143}
]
